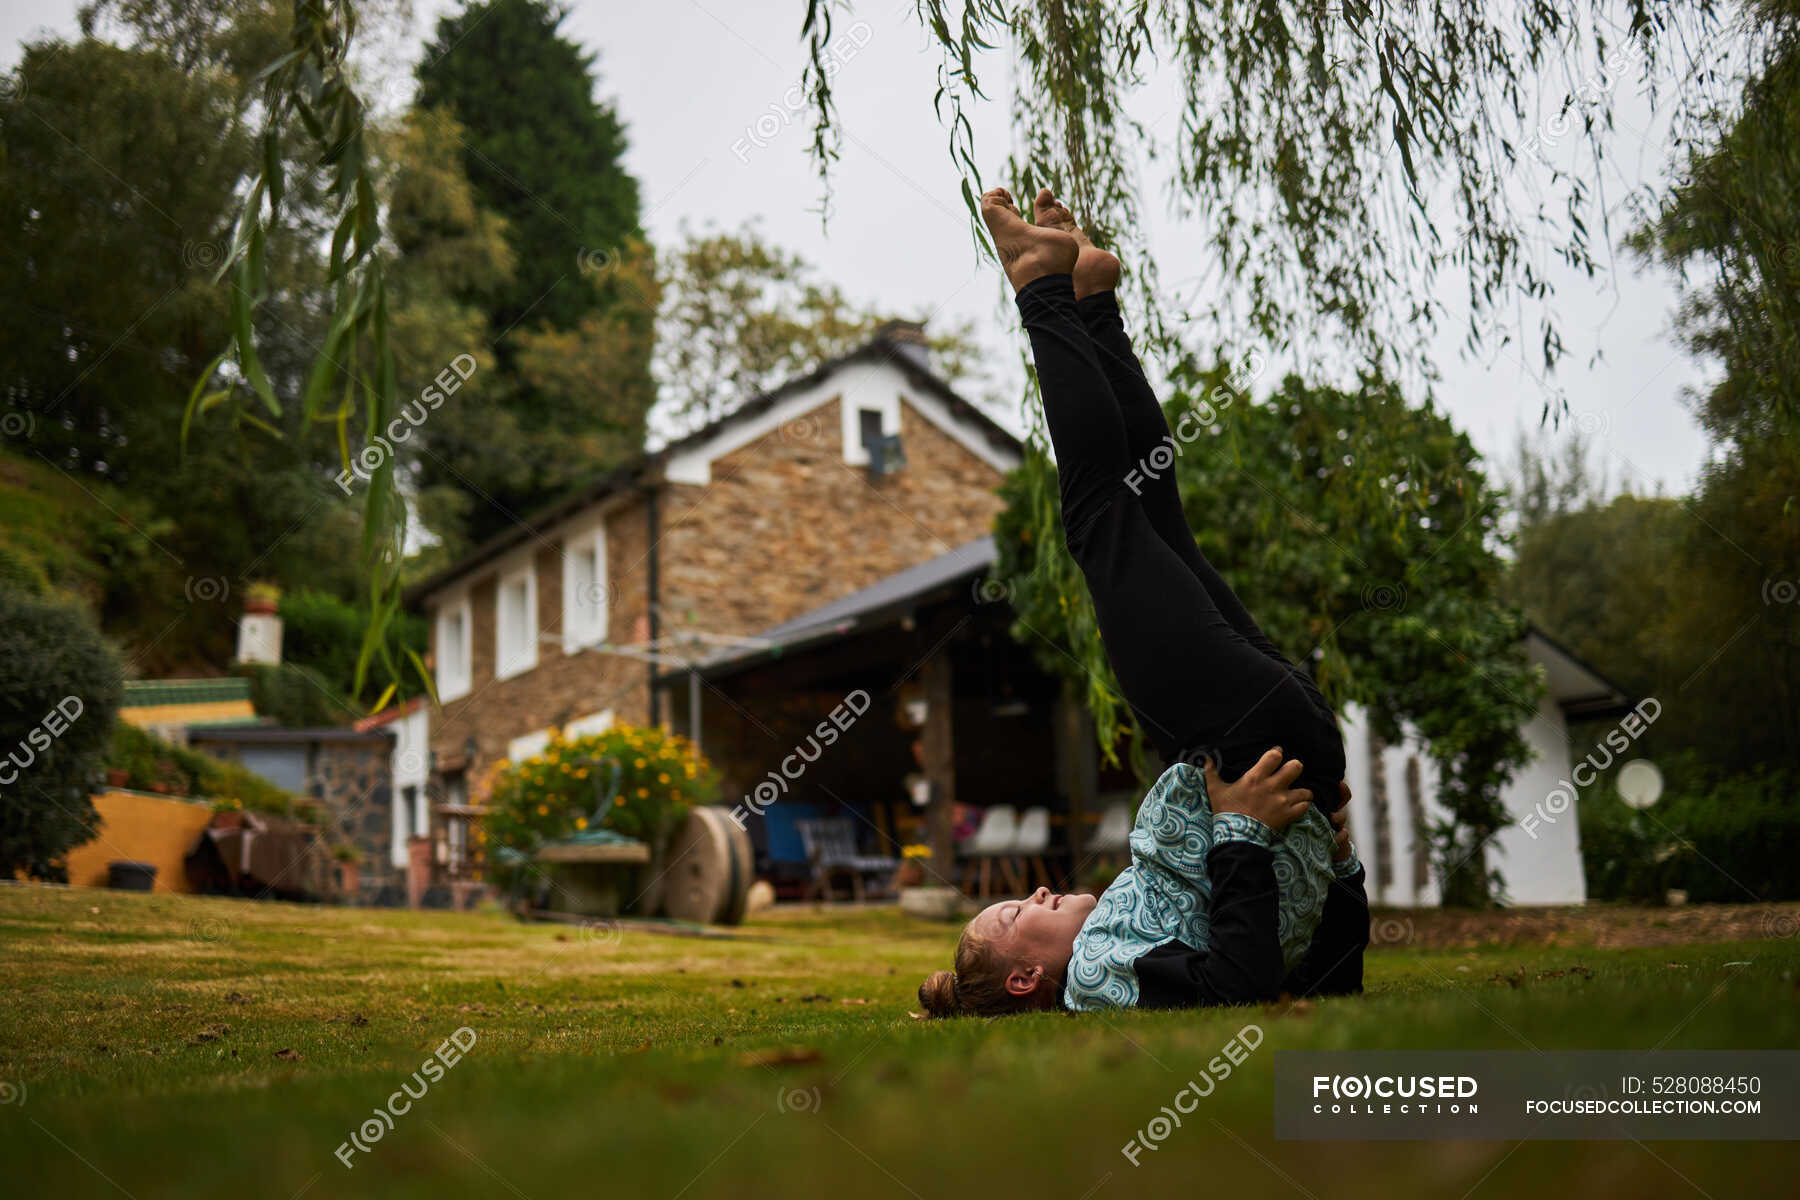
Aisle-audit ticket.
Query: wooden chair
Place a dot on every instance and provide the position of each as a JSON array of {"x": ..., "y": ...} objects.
[{"x": 830, "y": 845}]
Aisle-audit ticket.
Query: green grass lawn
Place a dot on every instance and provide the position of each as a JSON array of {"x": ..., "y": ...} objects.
[{"x": 175, "y": 1047}]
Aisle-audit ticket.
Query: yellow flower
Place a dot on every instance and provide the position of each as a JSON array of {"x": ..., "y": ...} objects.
[
  {"x": 663, "y": 778},
  {"x": 581, "y": 774},
  {"x": 620, "y": 802},
  {"x": 640, "y": 763},
  {"x": 581, "y": 822},
  {"x": 543, "y": 810}
]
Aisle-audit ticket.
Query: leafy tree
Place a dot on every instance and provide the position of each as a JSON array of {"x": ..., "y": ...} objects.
[
  {"x": 120, "y": 173},
  {"x": 740, "y": 316},
  {"x": 59, "y": 695},
  {"x": 1363, "y": 534},
  {"x": 1731, "y": 227},
  {"x": 538, "y": 150},
  {"x": 575, "y": 307},
  {"x": 322, "y": 633}
]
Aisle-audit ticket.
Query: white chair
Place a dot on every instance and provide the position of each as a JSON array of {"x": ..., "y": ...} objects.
[
  {"x": 1032, "y": 840},
  {"x": 1113, "y": 834},
  {"x": 994, "y": 839},
  {"x": 1110, "y": 843}
]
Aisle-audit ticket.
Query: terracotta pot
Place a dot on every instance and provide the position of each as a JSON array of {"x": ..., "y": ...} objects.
[
  {"x": 228, "y": 820},
  {"x": 117, "y": 776},
  {"x": 266, "y": 607},
  {"x": 912, "y": 873}
]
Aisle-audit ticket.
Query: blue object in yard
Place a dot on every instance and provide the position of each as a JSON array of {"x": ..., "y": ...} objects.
[
  {"x": 781, "y": 830},
  {"x": 128, "y": 876}
]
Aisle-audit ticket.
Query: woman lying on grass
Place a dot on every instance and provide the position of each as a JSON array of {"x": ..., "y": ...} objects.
[{"x": 1237, "y": 891}]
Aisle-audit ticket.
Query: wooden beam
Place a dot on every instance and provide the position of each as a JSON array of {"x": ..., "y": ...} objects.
[{"x": 940, "y": 762}]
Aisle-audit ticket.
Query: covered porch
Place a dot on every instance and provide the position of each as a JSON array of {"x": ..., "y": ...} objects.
[{"x": 906, "y": 710}]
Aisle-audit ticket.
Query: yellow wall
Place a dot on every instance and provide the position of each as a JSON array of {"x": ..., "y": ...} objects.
[
  {"x": 211, "y": 712},
  {"x": 143, "y": 828}
]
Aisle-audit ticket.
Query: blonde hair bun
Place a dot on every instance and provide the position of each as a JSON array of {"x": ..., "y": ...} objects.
[{"x": 938, "y": 994}]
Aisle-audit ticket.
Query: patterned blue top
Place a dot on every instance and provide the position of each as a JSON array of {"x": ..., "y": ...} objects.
[{"x": 1165, "y": 894}]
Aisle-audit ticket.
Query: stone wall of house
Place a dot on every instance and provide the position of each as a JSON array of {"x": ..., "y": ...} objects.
[
  {"x": 562, "y": 686},
  {"x": 787, "y": 525},
  {"x": 354, "y": 783}
]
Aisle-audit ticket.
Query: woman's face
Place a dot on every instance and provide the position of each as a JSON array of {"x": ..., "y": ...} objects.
[{"x": 1038, "y": 931}]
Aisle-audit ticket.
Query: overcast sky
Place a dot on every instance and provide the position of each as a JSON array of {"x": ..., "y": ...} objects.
[{"x": 705, "y": 89}]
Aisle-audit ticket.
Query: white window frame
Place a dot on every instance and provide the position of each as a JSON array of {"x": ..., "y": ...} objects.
[
  {"x": 584, "y": 625},
  {"x": 593, "y": 723},
  {"x": 505, "y": 666},
  {"x": 452, "y": 683},
  {"x": 851, "y": 407},
  {"x": 528, "y": 744}
]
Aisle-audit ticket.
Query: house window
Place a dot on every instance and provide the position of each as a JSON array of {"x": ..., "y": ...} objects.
[
  {"x": 453, "y": 649},
  {"x": 591, "y": 724},
  {"x": 403, "y": 827},
  {"x": 871, "y": 430},
  {"x": 584, "y": 589},
  {"x": 522, "y": 748},
  {"x": 515, "y": 623},
  {"x": 868, "y": 427}
]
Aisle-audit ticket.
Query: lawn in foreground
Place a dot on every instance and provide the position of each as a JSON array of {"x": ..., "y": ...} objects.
[{"x": 176, "y": 1047}]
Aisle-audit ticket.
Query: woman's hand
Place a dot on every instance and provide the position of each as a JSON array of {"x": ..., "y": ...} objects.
[{"x": 1263, "y": 792}]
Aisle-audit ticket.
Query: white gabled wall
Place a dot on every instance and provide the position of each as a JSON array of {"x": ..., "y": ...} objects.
[
  {"x": 1538, "y": 854},
  {"x": 862, "y": 385}
]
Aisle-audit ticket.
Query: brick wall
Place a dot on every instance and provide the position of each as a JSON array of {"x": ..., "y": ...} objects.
[
  {"x": 785, "y": 526},
  {"x": 562, "y": 686}
]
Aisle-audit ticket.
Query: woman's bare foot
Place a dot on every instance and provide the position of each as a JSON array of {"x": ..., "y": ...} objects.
[
  {"x": 1027, "y": 251},
  {"x": 1095, "y": 269}
]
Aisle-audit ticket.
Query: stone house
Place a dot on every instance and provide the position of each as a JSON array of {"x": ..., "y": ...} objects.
[{"x": 598, "y": 608}]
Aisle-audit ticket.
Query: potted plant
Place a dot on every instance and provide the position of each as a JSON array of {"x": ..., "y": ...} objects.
[
  {"x": 912, "y": 865},
  {"x": 349, "y": 873},
  {"x": 262, "y": 598},
  {"x": 228, "y": 813}
]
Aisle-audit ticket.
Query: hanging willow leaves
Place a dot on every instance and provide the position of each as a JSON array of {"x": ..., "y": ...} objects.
[
  {"x": 307, "y": 90},
  {"x": 1342, "y": 156},
  {"x": 1345, "y": 159}
]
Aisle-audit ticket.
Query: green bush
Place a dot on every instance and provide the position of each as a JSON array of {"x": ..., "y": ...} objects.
[
  {"x": 153, "y": 765},
  {"x": 1724, "y": 837},
  {"x": 634, "y": 781},
  {"x": 59, "y": 697},
  {"x": 294, "y": 696},
  {"x": 325, "y": 634}
]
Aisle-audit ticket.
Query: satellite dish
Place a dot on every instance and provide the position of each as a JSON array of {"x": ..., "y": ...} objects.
[{"x": 1640, "y": 784}]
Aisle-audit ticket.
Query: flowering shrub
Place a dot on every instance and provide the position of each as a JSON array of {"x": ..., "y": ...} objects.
[{"x": 638, "y": 782}]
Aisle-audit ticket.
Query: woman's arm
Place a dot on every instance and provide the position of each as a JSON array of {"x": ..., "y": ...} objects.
[
  {"x": 1243, "y": 964},
  {"x": 1333, "y": 965}
]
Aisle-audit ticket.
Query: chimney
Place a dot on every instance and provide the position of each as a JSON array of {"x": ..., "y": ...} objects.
[
  {"x": 259, "y": 636},
  {"x": 906, "y": 338}
]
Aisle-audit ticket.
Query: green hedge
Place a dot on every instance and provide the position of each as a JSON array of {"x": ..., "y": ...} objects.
[
  {"x": 1731, "y": 838},
  {"x": 153, "y": 765},
  {"x": 325, "y": 634},
  {"x": 59, "y": 694}
]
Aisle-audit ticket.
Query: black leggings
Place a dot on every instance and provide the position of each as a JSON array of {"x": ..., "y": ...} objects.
[{"x": 1203, "y": 680}]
